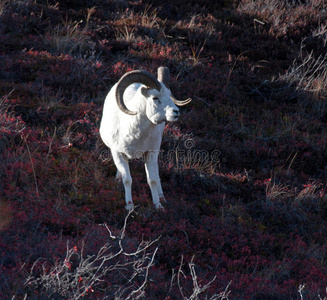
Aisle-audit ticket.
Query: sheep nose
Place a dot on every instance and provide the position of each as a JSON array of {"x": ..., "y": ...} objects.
[{"x": 176, "y": 111}]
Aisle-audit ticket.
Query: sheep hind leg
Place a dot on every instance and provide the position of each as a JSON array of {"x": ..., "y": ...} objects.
[
  {"x": 152, "y": 175},
  {"x": 123, "y": 174}
]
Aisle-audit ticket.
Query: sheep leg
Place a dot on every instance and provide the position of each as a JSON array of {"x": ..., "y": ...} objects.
[
  {"x": 118, "y": 176},
  {"x": 152, "y": 175},
  {"x": 123, "y": 172}
]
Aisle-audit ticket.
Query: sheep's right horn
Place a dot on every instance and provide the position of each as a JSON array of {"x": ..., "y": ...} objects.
[
  {"x": 129, "y": 78},
  {"x": 180, "y": 102}
]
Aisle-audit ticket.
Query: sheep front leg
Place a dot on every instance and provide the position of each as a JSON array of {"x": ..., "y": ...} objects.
[
  {"x": 123, "y": 172},
  {"x": 152, "y": 175}
]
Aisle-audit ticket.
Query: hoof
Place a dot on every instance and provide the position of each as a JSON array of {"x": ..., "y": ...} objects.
[
  {"x": 129, "y": 206},
  {"x": 158, "y": 206}
]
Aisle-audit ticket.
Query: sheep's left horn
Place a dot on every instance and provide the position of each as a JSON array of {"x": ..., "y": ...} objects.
[
  {"x": 180, "y": 102},
  {"x": 164, "y": 76}
]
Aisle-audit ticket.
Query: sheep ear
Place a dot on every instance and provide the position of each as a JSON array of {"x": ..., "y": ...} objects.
[
  {"x": 129, "y": 78},
  {"x": 145, "y": 91}
]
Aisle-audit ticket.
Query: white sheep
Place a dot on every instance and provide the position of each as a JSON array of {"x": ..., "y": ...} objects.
[{"x": 133, "y": 121}]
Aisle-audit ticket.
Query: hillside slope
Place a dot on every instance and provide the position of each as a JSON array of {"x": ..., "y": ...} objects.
[{"x": 243, "y": 170}]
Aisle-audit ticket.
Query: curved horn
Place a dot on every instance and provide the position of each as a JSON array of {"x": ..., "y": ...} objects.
[
  {"x": 164, "y": 76},
  {"x": 129, "y": 78},
  {"x": 179, "y": 102}
]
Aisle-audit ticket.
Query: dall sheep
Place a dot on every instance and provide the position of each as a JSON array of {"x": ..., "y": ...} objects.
[{"x": 133, "y": 121}]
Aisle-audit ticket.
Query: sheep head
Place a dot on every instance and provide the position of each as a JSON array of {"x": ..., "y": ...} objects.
[{"x": 161, "y": 104}]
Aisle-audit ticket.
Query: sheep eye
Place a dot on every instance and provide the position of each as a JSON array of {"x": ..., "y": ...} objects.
[{"x": 156, "y": 99}]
